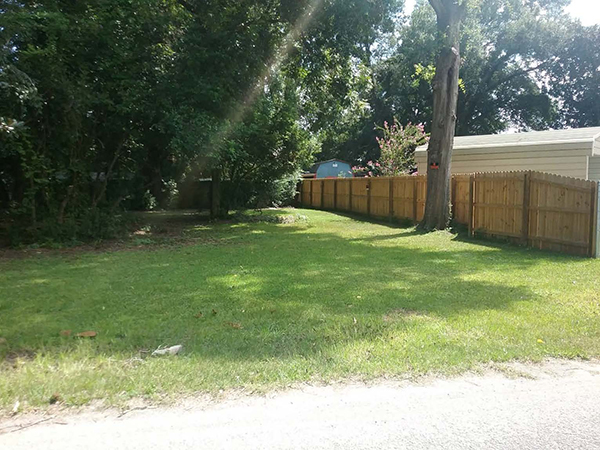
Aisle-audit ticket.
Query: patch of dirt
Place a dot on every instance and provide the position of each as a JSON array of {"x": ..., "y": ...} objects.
[
  {"x": 13, "y": 356},
  {"x": 269, "y": 218},
  {"x": 549, "y": 368},
  {"x": 112, "y": 246},
  {"x": 152, "y": 231}
]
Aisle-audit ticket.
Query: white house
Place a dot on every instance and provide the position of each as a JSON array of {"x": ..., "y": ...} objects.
[{"x": 573, "y": 153}]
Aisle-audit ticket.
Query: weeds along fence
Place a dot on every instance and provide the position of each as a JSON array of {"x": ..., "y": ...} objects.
[{"x": 536, "y": 209}]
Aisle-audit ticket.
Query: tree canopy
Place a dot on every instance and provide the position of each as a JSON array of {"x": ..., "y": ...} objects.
[
  {"x": 526, "y": 65},
  {"x": 108, "y": 104}
]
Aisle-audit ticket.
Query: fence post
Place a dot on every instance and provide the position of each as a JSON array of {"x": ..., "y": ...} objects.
[
  {"x": 215, "y": 194},
  {"x": 526, "y": 200},
  {"x": 369, "y": 197},
  {"x": 391, "y": 195},
  {"x": 594, "y": 217},
  {"x": 415, "y": 199},
  {"x": 311, "y": 193},
  {"x": 453, "y": 196},
  {"x": 322, "y": 194},
  {"x": 350, "y": 194},
  {"x": 471, "y": 203},
  {"x": 335, "y": 194}
]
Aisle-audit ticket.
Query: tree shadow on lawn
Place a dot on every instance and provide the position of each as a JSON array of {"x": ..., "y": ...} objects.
[
  {"x": 459, "y": 230},
  {"x": 284, "y": 291}
]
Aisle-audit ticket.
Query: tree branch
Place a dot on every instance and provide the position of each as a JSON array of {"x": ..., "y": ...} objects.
[
  {"x": 462, "y": 10},
  {"x": 438, "y": 6},
  {"x": 475, "y": 99},
  {"x": 519, "y": 73}
]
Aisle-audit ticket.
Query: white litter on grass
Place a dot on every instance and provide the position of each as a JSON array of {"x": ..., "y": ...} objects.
[{"x": 167, "y": 351}]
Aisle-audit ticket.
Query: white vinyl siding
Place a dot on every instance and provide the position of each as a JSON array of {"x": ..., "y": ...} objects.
[
  {"x": 594, "y": 168},
  {"x": 529, "y": 138},
  {"x": 564, "y": 158}
]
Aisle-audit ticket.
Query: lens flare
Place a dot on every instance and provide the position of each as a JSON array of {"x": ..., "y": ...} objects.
[{"x": 280, "y": 54}]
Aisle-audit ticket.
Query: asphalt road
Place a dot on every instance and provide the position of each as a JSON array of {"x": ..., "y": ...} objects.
[{"x": 555, "y": 406}]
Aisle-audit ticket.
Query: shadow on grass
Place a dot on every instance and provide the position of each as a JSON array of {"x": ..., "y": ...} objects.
[
  {"x": 282, "y": 291},
  {"x": 459, "y": 230}
]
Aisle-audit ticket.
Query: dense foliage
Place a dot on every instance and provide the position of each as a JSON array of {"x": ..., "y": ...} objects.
[
  {"x": 526, "y": 65},
  {"x": 107, "y": 105}
]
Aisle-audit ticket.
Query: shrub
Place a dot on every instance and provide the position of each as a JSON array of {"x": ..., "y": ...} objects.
[
  {"x": 88, "y": 225},
  {"x": 397, "y": 147}
]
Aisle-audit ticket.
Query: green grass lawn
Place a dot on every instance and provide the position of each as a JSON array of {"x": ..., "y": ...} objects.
[{"x": 326, "y": 297}]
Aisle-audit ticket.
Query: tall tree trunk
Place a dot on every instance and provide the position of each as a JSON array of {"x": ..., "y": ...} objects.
[
  {"x": 98, "y": 196},
  {"x": 445, "y": 96},
  {"x": 63, "y": 205},
  {"x": 33, "y": 200}
]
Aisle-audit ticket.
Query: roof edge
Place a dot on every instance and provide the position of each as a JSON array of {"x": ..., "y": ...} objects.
[
  {"x": 332, "y": 159},
  {"x": 518, "y": 144}
]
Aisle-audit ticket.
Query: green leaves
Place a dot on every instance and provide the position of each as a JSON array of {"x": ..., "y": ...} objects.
[
  {"x": 109, "y": 103},
  {"x": 423, "y": 73},
  {"x": 520, "y": 60}
]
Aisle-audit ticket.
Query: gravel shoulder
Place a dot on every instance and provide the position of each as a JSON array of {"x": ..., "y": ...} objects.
[{"x": 512, "y": 406}]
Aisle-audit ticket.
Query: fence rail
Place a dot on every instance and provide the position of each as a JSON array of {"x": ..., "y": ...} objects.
[{"x": 531, "y": 208}]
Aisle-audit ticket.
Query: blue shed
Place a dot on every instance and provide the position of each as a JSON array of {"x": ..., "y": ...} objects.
[{"x": 332, "y": 168}]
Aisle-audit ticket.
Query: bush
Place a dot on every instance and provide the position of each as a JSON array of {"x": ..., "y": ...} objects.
[
  {"x": 279, "y": 193},
  {"x": 87, "y": 226},
  {"x": 397, "y": 147},
  {"x": 259, "y": 194}
]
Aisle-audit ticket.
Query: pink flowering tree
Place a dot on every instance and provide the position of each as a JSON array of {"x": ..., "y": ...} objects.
[{"x": 397, "y": 146}]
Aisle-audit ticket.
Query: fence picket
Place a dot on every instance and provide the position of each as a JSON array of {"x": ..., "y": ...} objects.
[{"x": 533, "y": 208}]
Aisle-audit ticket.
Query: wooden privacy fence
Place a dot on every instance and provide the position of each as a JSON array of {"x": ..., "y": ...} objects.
[
  {"x": 397, "y": 197},
  {"x": 536, "y": 209}
]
